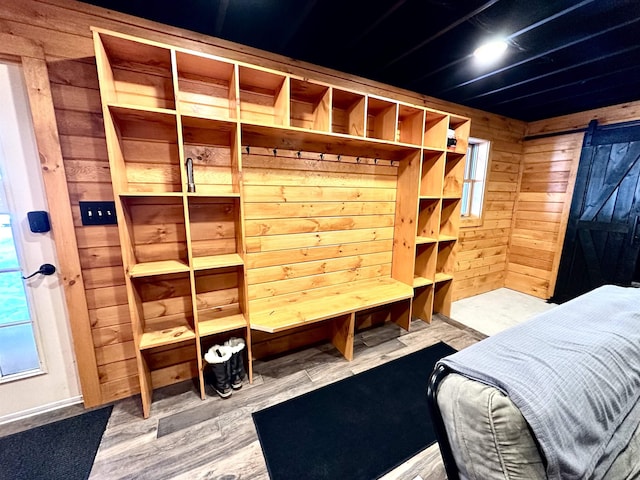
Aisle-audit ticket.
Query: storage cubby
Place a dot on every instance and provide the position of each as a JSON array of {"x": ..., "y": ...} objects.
[
  {"x": 410, "y": 124},
  {"x": 428, "y": 227},
  {"x": 449, "y": 219},
  {"x": 382, "y": 119},
  {"x": 461, "y": 126},
  {"x": 446, "y": 261},
  {"x": 211, "y": 145},
  {"x": 453, "y": 175},
  {"x": 145, "y": 152},
  {"x": 215, "y": 338},
  {"x": 214, "y": 230},
  {"x": 134, "y": 73},
  {"x": 206, "y": 87},
  {"x": 218, "y": 294},
  {"x": 310, "y": 105},
  {"x": 423, "y": 303},
  {"x": 431, "y": 174},
  {"x": 264, "y": 97},
  {"x": 442, "y": 294},
  {"x": 164, "y": 309},
  {"x": 347, "y": 113},
  {"x": 425, "y": 266},
  {"x": 435, "y": 130},
  {"x": 155, "y": 231}
]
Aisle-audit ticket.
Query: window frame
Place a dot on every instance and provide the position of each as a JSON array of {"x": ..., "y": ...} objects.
[{"x": 476, "y": 220}]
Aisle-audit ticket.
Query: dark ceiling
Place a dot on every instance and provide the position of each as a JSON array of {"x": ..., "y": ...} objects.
[{"x": 564, "y": 56}]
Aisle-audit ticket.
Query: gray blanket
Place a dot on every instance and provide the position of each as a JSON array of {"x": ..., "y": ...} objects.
[{"x": 574, "y": 373}]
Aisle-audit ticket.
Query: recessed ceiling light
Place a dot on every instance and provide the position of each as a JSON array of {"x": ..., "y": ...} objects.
[{"x": 490, "y": 51}]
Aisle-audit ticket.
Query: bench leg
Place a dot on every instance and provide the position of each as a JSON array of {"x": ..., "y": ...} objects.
[
  {"x": 342, "y": 334},
  {"x": 401, "y": 313}
]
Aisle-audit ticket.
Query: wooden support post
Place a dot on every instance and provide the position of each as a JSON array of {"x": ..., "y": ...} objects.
[{"x": 342, "y": 334}]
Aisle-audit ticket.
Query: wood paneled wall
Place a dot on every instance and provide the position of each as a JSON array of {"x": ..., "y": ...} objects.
[
  {"x": 548, "y": 171},
  {"x": 482, "y": 251},
  {"x": 62, "y": 27}
]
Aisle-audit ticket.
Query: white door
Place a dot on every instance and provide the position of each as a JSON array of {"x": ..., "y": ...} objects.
[{"x": 37, "y": 365}]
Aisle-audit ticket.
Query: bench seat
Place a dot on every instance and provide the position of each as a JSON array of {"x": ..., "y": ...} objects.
[{"x": 337, "y": 303}]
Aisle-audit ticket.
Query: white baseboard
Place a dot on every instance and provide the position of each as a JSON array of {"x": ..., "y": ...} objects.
[{"x": 12, "y": 417}]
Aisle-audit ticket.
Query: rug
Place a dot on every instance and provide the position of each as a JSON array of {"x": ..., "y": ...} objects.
[
  {"x": 61, "y": 450},
  {"x": 359, "y": 428}
]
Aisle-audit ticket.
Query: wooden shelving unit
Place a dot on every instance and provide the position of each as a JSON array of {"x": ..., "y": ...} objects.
[{"x": 177, "y": 125}]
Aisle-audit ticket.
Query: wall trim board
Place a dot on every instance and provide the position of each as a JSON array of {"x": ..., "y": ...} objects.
[
  {"x": 55, "y": 183},
  {"x": 13, "y": 417}
]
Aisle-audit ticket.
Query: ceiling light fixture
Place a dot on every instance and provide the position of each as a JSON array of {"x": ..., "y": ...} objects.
[{"x": 490, "y": 51}]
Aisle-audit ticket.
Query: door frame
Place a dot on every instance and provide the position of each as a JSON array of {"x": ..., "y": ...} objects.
[{"x": 32, "y": 58}]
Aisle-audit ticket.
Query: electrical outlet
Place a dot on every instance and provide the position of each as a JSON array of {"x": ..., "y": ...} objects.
[{"x": 98, "y": 213}]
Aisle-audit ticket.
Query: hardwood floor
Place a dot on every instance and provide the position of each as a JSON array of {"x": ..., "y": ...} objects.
[{"x": 187, "y": 438}]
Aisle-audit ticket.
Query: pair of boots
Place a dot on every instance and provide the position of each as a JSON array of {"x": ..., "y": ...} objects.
[{"x": 227, "y": 370}]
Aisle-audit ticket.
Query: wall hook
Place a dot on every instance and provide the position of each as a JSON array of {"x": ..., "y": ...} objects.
[
  {"x": 299, "y": 154},
  {"x": 375, "y": 161},
  {"x": 275, "y": 152},
  {"x": 357, "y": 159},
  {"x": 248, "y": 149},
  {"x": 339, "y": 157},
  {"x": 322, "y": 156}
]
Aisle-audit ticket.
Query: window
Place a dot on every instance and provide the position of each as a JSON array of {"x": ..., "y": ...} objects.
[{"x": 475, "y": 172}]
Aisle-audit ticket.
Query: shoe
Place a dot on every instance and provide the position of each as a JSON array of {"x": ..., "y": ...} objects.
[
  {"x": 217, "y": 376},
  {"x": 237, "y": 370}
]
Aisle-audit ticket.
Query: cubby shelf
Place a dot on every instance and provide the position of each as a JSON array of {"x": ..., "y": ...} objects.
[
  {"x": 162, "y": 267},
  {"x": 212, "y": 323},
  {"x": 421, "y": 282},
  {"x": 177, "y": 125},
  {"x": 177, "y": 331},
  {"x": 217, "y": 261},
  {"x": 424, "y": 240}
]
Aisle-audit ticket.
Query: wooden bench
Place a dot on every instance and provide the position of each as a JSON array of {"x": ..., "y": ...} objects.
[{"x": 339, "y": 303}]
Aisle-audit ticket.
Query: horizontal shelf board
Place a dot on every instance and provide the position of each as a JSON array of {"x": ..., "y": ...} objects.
[
  {"x": 217, "y": 261},
  {"x": 124, "y": 108},
  {"x": 447, "y": 238},
  {"x": 150, "y": 194},
  {"x": 423, "y": 240},
  {"x": 211, "y": 195},
  {"x": 443, "y": 277},
  {"x": 208, "y": 122},
  {"x": 176, "y": 333},
  {"x": 421, "y": 282},
  {"x": 163, "y": 267},
  {"x": 293, "y": 138},
  {"x": 328, "y": 302},
  {"x": 451, "y": 197},
  {"x": 429, "y": 197},
  {"x": 211, "y": 323}
]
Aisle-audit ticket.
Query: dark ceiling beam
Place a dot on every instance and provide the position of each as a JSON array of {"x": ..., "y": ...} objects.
[
  {"x": 570, "y": 84},
  {"x": 291, "y": 30},
  {"x": 618, "y": 94},
  {"x": 548, "y": 74},
  {"x": 461, "y": 20},
  {"x": 544, "y": 54},
  {"x": 375, "y": 24},
  {"x": 222, "y": 13}
]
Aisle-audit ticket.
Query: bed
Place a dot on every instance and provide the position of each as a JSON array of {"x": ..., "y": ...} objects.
[{"x": 555, "y": 397}]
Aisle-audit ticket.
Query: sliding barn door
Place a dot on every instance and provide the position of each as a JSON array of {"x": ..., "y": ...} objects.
[{"x": 603, "y": 236}]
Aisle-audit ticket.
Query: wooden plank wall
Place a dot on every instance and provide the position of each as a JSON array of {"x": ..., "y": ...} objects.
[
  {"x": 481, "y": 255},
  {"x": 313, "y": 223},
  {"x": 62, "y": 27},
  {"x": 544, "y": 196}
]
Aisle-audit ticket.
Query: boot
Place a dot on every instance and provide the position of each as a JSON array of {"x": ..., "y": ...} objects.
[
  {"x": 237, "y": 371},
  {"x": 218, "y": 358}
]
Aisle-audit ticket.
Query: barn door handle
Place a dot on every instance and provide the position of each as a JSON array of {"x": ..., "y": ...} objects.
[
  {"x": 633, "y": 231},
  {"x": 45, "y": 269}
]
